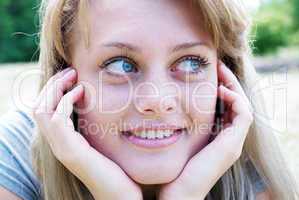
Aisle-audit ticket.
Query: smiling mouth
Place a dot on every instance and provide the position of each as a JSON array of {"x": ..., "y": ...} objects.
[
  {"x": 153, "y": 138},
  {"x": 154, "y": 134}
]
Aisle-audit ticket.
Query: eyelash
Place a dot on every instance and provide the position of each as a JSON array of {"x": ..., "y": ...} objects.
[
  {"x": 203, "y": 61},
  {"x": 125, "y": 56}
]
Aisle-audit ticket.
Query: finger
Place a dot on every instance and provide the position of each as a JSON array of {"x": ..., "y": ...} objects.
[
  {"x": 55, "y": 91},
  {"x": 229, "y": 79},
  {"x": 65, "y": 106},
  {"x": 60, "y": 120},
  {"x": 49, "y": 82},
  {"x": 61, "y": 127},
  {"x": 242, "y": 116},
  {"x": 233, "y": 99}
]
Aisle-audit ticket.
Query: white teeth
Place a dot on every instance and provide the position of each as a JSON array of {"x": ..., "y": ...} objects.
[
  {"x": 167, "y": 134},
  {"x": 143, "y": 134},
  {"x": 151, "y": 134},
  {"x": 160, "y": 136}
]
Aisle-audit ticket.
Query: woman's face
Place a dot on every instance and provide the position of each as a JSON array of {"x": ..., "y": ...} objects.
[{"x": 164, "y": 73}]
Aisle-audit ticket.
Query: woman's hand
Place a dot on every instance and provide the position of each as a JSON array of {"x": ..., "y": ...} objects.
[
  {"x": 52, "y": 111},
  {"x": 207, "y": 166}
]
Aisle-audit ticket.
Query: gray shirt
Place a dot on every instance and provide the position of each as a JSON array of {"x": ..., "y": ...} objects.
[{"x": 16, "y": 174}]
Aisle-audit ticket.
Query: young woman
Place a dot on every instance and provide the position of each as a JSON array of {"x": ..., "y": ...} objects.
[{"x": 144, "y": 100}]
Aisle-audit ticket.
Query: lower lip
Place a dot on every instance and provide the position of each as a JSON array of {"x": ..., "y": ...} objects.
[{"x": 154, "y": 143}]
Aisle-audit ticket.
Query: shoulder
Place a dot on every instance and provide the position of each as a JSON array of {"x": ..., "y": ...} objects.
[
  {"x": 16, "y": 174},
  {"x": 258, "y": 183}
]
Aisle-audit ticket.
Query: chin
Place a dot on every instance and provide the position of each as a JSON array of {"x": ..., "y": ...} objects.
[
  {"x": 152, "y": 178},
  {"x": 155, "y": 175}
]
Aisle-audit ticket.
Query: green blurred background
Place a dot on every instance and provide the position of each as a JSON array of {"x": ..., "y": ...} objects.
[
  {"x": 18, "y": 30},
  {"x": 276, "y": 25}
]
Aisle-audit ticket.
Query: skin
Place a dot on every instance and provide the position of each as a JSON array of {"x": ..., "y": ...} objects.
[
  {"x": 199, "y": 175},
  {"x": 189, "y": 164},
  {"x": 168, "y": 19}
]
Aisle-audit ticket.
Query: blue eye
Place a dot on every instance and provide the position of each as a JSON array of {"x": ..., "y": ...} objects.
[
  {"x": 120, "y": 65},
  {"x": 191, "y": 64}
]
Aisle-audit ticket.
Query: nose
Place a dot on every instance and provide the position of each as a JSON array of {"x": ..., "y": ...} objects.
[
  {"x": 161, "y": 102},
  {"x": 155, "y": 107}
]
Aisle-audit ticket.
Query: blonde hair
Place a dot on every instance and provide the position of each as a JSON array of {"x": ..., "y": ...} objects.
[{"x": 228, "y": 24}]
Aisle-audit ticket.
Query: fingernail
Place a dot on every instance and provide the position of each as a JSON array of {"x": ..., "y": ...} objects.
[
  {"x": 66, "y": 70},
  {"x": 78, "y": 87},
  {"x": 70, "y": 72},
  {"x": 223, "y": 65}
]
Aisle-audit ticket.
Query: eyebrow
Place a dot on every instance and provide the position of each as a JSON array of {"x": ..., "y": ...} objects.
[{"x": 134, "y": 48}]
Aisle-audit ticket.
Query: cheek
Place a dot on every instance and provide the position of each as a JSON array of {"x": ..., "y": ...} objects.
[
  {"x": 201, "y": 104},
  {"x": 105, "y": 98},
  {"x": 202, "y": 98},
  {"x": 113, "y": 99},
  {"x": 102, "y": 106}
]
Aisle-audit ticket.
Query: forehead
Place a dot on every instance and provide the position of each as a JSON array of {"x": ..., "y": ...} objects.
[{"x": 146, "y": 21}]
